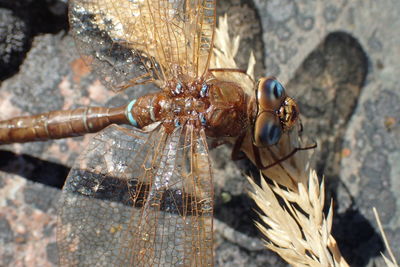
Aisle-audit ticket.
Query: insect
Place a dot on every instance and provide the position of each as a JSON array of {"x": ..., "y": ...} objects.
[{"x": 141, "y": 193}]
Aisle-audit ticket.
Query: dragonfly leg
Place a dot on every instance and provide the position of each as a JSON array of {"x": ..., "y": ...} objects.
[
  {"x": 301, "y": 128},
  {"x": 237, "y": 154},
  {"x": 260, "y": 165}
]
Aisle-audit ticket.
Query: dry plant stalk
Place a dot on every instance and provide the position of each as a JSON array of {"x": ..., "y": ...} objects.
[
  {"x": 298, "y": 230},
  {"x": 392, "y": 261}
]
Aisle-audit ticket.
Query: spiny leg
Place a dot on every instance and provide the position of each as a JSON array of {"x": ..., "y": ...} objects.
[
  {"x": 259, "y": 164},
  {"x": 237, "y": 154}
]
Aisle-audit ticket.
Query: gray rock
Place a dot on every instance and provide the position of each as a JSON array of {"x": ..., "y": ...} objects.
[{"x": 338, "y": 58}]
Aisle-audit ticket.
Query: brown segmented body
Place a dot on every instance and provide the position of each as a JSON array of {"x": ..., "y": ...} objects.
[
  {"x": 144, "y": 197},
  {"x": 59, "y": 124},
  {"x": 223, "y": 103}
]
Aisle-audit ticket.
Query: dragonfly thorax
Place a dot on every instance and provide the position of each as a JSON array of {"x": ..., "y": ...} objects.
[{"x": 212, "y": 105}]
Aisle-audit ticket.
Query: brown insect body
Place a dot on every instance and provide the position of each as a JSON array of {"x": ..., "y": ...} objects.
[
  {"x": 59, "y": 124},
  {"x": 228, "y": 103},
  {"x": 154, "y": 187},
  {"x": 212, "y": 104}
]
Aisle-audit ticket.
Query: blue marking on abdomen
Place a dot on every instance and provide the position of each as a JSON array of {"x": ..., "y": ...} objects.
[{"x": 128, "y": 113}]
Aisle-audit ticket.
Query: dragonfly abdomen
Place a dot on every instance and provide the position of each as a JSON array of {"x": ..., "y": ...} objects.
[
  {"x": 144, "y": 110},
  {"x": 59, "y": 124}
]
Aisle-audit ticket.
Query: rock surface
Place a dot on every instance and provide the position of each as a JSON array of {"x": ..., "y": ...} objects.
[{"x": 338, "y": 58}]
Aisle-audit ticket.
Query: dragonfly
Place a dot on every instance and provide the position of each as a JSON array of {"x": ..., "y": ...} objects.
[{"x": 141, "y": 193}]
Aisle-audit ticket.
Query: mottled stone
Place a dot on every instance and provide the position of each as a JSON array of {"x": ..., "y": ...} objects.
[
  {"x": 23, "y": 227},
  {"x": 331, "y": 13},
  {"x": 338, "y": 58},
  {"x": 6, "y": 234},
  {"x": 14, "y": 39},
  {"x": 281, "y": 11}
]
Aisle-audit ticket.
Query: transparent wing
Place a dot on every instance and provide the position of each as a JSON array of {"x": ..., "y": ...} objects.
[
  {"x": 139, "y": 199},
  {"x": 134, "y": 41}
]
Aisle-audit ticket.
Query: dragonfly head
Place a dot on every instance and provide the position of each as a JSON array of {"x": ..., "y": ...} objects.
[{"x": 276, "y": 112}]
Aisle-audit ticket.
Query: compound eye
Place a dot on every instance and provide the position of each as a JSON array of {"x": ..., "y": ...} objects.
[
  {"x": 267, "y": 130},
  {"x": 270, "y": 93}
]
